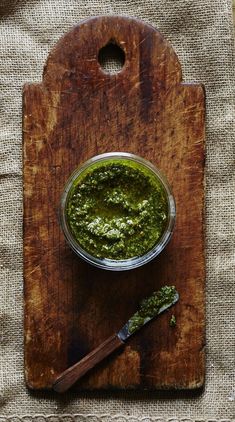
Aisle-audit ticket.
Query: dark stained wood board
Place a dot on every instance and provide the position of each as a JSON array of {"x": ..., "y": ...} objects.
[{"x": 79, "y": 111}]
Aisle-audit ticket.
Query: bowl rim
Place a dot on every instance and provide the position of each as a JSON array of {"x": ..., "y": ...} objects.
[{"x": 125, "y": 264}]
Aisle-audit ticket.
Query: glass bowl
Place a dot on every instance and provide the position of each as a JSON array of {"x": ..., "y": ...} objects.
[{"x": 112, "y": 264}]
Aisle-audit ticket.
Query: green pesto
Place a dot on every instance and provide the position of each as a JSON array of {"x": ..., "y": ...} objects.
[
  {"x": 117, "y": 210},
  {"x": 173, "y": 321},
  {"x": 150, "y": 307}
]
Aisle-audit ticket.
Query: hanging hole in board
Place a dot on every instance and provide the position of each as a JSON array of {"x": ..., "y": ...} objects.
[{"x": 111, "y": 58}]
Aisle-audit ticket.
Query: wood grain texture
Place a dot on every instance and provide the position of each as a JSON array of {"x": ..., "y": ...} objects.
[
  {"x": 79, "y": 369},
  {"x": 79, "y": 111}
]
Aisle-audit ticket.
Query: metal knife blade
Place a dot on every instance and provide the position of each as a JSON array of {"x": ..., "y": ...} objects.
[
  {"x": 150, "y": 308},
  {"x": 125, "y": 331}
]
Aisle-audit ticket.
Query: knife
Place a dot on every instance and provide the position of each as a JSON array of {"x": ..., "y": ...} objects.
[{"x": 157, "y": 303}]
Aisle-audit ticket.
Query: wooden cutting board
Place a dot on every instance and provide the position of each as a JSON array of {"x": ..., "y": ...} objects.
[{"x": 79, "y": 111}]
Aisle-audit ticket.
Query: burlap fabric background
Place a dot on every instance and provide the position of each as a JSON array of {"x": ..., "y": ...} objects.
[{"x": 201, "y": 33}]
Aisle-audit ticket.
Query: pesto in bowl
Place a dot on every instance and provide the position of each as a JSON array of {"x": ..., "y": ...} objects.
[{"x": 116, "y": 209}]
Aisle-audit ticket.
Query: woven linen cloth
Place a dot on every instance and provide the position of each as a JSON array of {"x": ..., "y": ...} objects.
[{"x": 201, "y": 33}]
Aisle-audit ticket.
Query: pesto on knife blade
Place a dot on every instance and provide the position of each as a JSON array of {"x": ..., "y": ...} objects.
[
  {"x": 151, "y": 306},
  {"x": 117, "y": 210}
]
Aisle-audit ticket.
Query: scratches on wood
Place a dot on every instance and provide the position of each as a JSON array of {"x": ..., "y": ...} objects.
[{"x": 79, "y": 111}]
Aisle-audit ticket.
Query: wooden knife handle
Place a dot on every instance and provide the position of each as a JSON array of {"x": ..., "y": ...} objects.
[{"x": 65, "y": 380}]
